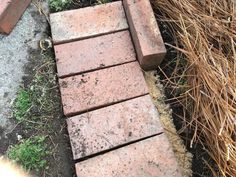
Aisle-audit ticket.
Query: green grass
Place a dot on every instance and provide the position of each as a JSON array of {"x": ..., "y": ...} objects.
[
  {"x": 30, "y": 153},
  {"x": 21, "y": 105},
  {"x": 103, "y": 1},
  {"x": 37, "y": 111},
  {"x": 35, "y": 104},
  {"x": 34, "y": 109},
  {"x": 59, "y": 5}
]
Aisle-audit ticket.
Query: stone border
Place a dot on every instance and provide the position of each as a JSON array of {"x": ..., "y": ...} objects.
[{"x": 145, "y": 32}]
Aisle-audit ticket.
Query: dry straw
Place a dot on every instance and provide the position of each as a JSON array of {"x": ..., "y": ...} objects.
[{"x": 205, "y": 32}]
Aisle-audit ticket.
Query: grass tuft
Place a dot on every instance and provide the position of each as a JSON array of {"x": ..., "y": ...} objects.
[
  {"x": 35, "y": 104},
  {"x": 35, "y": 109},
  {"x": 21, "y": 105},
  {"x": 30, "y": 153},
  {"x": 59, "y": 5},
  {"x": 104, "y": 1}
]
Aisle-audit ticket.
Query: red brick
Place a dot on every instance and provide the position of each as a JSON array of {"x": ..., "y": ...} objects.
[
  {"x": 145, "y": 32},
  {"x": 112, "y": 126},
  {"x": 10, "y": 13},
  {"x": 152, "y": 157},
  {"x": 94, "y": 53},
  {"x": 87, "y": 22},
  {"x": 96, "y": 89}
]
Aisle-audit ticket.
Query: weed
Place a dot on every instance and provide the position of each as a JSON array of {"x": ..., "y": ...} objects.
[
  {"x": 104, "y": 1},
  {"x": 40, "y": 117},
  {"x": 30, "y": 153},
  {"x": 58, "y": 5},
  {"x": 21, "y": 105},
  {"x": 35, "y": 104}
]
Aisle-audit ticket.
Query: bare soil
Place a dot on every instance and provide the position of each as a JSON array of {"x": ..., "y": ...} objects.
[{"x": 60, "y": 163}]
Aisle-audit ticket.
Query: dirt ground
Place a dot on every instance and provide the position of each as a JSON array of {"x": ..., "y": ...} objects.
[{"x": 20, "y": 58}]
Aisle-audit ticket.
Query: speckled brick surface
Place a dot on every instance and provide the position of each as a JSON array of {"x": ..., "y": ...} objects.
[
  {"x": 152, "y": 157},
  {"x": 101, "y": 88},
  {"x": 94, "y": 53},
  {"x": 87, "y": 22},
  {"x": 113, "y": 126},
  {"x": 10, "y": 13},
  {"x": 145, "y": 32}
]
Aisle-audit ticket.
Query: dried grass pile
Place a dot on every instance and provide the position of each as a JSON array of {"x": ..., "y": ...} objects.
[{"x": 205, "y": 72}]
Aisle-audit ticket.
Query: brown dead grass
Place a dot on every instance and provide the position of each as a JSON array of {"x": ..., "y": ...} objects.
[{"x": 206, "y": 38}]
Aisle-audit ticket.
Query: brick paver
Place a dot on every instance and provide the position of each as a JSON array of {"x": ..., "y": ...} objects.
[
  {"x": 115, "y": 129},
  {"x": 145, "y": 32},
  {"x": 94, "y": 53},
  {"x": 152, "y": 157},
  {"x": 10, "y": 13},
  {"x": 101, "y": 88},
  {"x": 87, "y": 22},
  {"x": 113, "y": 126}
]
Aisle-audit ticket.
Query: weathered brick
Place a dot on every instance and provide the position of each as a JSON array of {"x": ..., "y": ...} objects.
[
  {"x": 112, "y": 126},
  {"x": 101, "y": 88},
  {"x": 94, "y": 53},
  {"x": 87, "y": 22},
  {"x": 145, "y": 32},
  {"x": 10, "y": 13},
  {"x": 152, "y": 157}
]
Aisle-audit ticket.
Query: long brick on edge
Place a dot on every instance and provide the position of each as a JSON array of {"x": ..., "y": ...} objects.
[
  {"x": 146, "y": 35},
  {"x": 112, "y": 126},
  {"x": 10, "y": 13},
  {"x": 152, "y": 157},
  {"x": 100, "y": 88},
  {"x": 87, "y": 22},
  {"x": 94, "y": 53}
]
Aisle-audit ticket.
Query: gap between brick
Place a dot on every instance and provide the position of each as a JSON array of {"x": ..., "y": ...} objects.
[
  {"x": 97, "y": 69},
  {"x": 115, "y": 148},
  {"x": 103, "y": 106},
  {"x": 88, "y": 37}
]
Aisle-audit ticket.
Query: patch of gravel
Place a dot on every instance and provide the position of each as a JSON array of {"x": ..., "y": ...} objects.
[{"x": 14, "y": 51}]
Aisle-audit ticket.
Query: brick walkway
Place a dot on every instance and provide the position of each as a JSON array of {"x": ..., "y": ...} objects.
[{"x": 113, "y": 125}]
